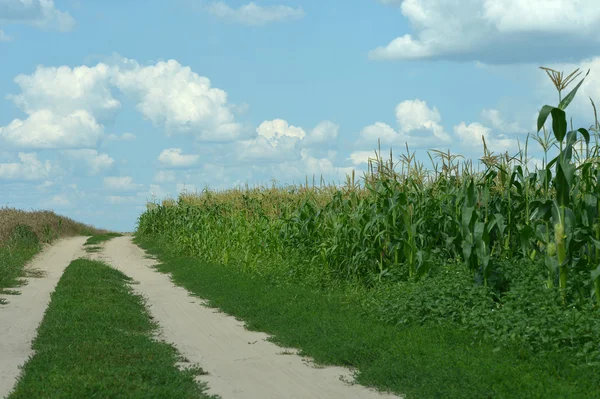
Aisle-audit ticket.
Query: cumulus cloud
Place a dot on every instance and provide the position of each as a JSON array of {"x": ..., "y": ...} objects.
[
  {"x": 361, "y": 157},
  {"x": 277, "y": 128},
  {"x": 47, "y": 130},
  {"x": 64, "y": 90},
  {"x": 30, "y": 168},
  {"x": 323, "y": 134},
  {"x": 94, "y": 161},
  {"x": 277, "y": 141},
  {"x": 253, "y": 14},
  {"x": 495, "y": 32},
  {"x": 171, "y": 95},
  {"x": 470, "y": 139},
  {"x": 173, "y": 157},
  {"x": 67, "y": 107},
  {"x": 419, "y": 126},
  {"x": 121, "y": 183},
  {"x": 39, "y": 13}
]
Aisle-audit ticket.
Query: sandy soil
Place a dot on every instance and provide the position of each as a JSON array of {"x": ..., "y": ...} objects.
[
  {"x": 240, "y": 363},
  {"x": 20, "y": 318}
]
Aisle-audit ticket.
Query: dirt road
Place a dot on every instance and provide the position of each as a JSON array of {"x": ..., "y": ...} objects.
[{"x": 239, "y": 363}]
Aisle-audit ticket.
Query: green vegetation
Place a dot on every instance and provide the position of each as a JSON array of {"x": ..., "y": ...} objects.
[
  {"x": 100, "y": 238},
  {"x": 508, "y": 256},
  {"x": 22, "y": 235},
  {"x": 96, "y": 341},
  {"x": 413, "y": 360}
]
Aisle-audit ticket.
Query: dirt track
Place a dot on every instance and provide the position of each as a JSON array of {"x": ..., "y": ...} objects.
[{"x": 239, "y": 363}]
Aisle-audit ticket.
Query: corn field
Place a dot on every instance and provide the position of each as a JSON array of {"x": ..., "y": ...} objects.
[{"x": 399, "y": 220}]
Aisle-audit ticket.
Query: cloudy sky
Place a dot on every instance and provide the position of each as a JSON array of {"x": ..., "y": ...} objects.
[{"x": 108, "y": 104}]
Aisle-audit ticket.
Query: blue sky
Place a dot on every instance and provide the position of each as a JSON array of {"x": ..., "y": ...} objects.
[{"x": 106, "y": 104}]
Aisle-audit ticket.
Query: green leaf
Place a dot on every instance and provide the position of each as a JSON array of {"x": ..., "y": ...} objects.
[
  {"x": 595, "y": 273},
  {"x": 525, "y": 234},
  {"x": 544, "y": 112},
  {"x": 559, "y": 123},
  {"x": 567, "y": 100}
]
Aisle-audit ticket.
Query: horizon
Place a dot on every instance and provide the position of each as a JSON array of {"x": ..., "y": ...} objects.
[{"x": 106, "y": 105}]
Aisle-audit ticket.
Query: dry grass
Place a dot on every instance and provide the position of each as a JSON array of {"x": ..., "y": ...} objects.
[{"x": 47, "y": 225}]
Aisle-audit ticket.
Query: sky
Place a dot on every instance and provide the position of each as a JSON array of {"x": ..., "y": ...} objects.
[{"x": 106, "y": 105}]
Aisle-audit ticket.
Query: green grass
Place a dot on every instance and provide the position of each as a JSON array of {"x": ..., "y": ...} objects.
[
  {"x": 96, "y": 341},
  {"x": 100, "y": 238},
  {"x": 92, "y": 244},
  {"x": 19, "y": 249},
  {"x": 429, "y": 361},
  {"x": 12, "y": 262}
]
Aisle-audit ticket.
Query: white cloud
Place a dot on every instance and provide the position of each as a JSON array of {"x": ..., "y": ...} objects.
[
  {"x": 45, "y": 130},
  {"x": 495, "y": 119},
  {"x": 171, "y": 95},
  {"x": 164, "y": 176},
  {"x": 325, "y": 132},
  {"x": 39, "y": 13},
  {"x": 495, "y": 31},
  {"x": 471, "y": 137},
  {"x": 4, "y": 37},
  {"x": 121, "y": 183},
  {"x": 277, "y": 128},
  {"x": 30, "y": 168},
  {"x": 419, "y": 126},
  {"x": 123, "y": 137},
  {"x": 64, "y": 90},
  {"x": 361, "y": 157},
  {"x": 66, "y": 107},
  {"x": 253, "y": 14},
  {"x": 173, "y": 157},
  {"x": 95, "y": 161},
  {"x": 278, "y": 141}
]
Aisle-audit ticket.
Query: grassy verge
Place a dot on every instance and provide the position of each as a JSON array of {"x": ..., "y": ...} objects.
[
  {"x": 22, "y": 234},
  {"x": 430, "y": 361},
  {"x": 96, "y": 341}
]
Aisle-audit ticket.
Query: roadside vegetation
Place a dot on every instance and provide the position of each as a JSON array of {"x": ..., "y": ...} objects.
[
  {"x": 507, "y": 259},
  {"x": 22, "y": 235},
  {"x": 97, "y": 340}
]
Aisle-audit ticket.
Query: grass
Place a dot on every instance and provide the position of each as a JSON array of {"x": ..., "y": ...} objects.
[
  {"x": 100, "y": 238},
  {"x": 96, "y": 340},
  {"x": 22, "y": 235},
  {"x": 419, "y": 361}
]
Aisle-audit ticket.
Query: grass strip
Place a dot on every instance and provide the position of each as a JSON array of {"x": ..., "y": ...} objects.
[
  {"x": 100, "y": 238},
  {"x": 96, "y": 341},
  {"x": 416, "y": 361}
]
